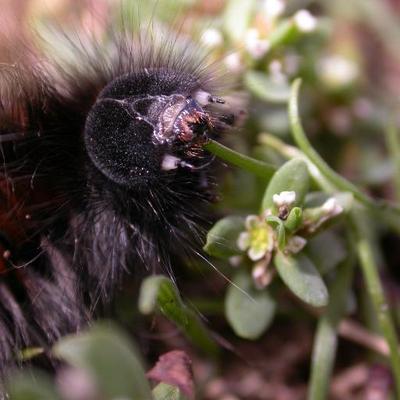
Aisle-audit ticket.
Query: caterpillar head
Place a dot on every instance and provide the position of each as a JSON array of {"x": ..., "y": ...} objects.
[{"x": 152, "y": 122}]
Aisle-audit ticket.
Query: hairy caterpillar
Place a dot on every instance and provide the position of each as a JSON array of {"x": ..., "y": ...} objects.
[{"x": 102, "y": 171}]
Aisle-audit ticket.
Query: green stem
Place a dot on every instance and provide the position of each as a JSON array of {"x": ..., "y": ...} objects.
[
  {"x": 325, "y": 342},
  {"x": 232, "y": 157},
  {"x": 290, "y": 152},
  {"x": 389, "y": 213},
  {"x": 370, "y": 271},
  {"x": 157, "y": 292},
  {"x": 303, "y": 143},
  {"x": 393, "y": 145},
  {"x": 364, "y": 245}
]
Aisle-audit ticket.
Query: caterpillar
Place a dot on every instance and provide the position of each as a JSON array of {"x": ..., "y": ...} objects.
[{"x": 102, "y": 172}]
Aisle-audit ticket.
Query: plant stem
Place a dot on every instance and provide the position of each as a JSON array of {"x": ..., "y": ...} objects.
[
  {"x": 390, "y": 213},
  {"x": 290, "y": 152},
  {"x": 157, "y": 292},
  {"x": 325, "y": 342},
  {"x": 393, "y": 145},
  {"x": 370, "y": 271},
  {"x": 364, "y": 245},
  {"x": 232, "y": 157}
]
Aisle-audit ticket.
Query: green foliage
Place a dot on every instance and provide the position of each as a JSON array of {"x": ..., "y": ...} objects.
[
  {"x": 222, "y": 238},
  {"x": 159, "y": 293},
  {"x": 109, "y": 359},
  {"x": 107, "y": 363},
  {"x": 301, "y": 276},
  {"x": 248, "y": 311},
  {"x": 292, "y": 176}
]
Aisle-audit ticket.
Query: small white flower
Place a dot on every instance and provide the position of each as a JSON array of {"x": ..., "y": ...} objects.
[
  {"x": 234, "y": 62},
  {"x": 211, "y": 38},
  {"x": 331, "y": 207},
  {"x": 305, "y": 21},
  {"x": 274, "y": 8},
  {"x": 257, "y": 240},
  {"x": 286, "y": 198},
  {"x": 337, "y": 70},
  {"x": 295, "y": 244},
  {"x": 255, "y": 46}
]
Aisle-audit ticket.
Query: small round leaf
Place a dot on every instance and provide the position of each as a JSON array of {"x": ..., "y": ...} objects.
[
  {"x": 110, "y": 358},
  {"x": 249, "y": 313},
  {"x": 222, "y": 238},
  {"x": 302, "y": 278},
  {"x": 292, "y": 176}
]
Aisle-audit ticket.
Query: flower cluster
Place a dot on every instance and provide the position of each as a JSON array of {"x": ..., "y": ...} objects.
[{"x": 264, "y": 234}]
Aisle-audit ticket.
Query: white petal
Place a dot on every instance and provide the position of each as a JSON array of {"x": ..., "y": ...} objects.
[
  {"x": 286, "y": 198},
  {"x": 251, "y": 221},
  {"x": 256, "y": 254},
  {"x": 305, "y": 21},
  {"x": 274, "y": 8},
  {"x": 243, "y": 241},
  {"x": 337, "y": 70},
  {"x": 331, "y": 207}
]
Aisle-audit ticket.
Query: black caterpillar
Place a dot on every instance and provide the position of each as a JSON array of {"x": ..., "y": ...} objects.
[{"x": 102, "y": 171}]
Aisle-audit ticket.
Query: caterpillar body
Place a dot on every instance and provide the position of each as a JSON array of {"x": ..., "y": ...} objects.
[{"x": 102, "y": 171}]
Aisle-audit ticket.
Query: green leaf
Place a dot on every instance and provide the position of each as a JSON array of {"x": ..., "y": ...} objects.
[
  {"x": 249, "y": 313},
  {"x": 285, "y": 32},
  {"x": 266, "y": 89},
  {"x": 237, "y": 17},
  {"x": 292, "y": 176},
  {"x": 109, "y": 357},
  {"x": 277, "y": 223},
  {"x": 294, "y": 219},
  {"x": 222, "y": 238},
  {"x": 164, "y": 391},
  {"x": 326, "y": 250},
  {"x": 302, "y": 278},
  {"x": 325, "y": 341},
  {"x": 32, "y": 385},
  {"x": 159, "y": 293}
]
